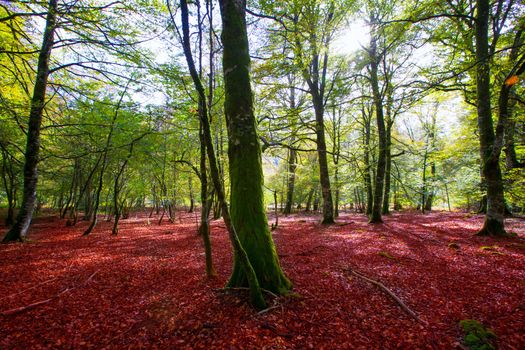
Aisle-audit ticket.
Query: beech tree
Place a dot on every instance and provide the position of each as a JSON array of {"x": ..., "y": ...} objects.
[{"x": 244, "y": 153}]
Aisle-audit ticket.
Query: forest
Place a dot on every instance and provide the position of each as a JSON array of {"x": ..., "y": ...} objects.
[{"x": 258, "y": 174}]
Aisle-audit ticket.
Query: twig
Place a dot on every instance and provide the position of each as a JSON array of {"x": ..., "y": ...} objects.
[
  {"x": 42, "y": 302},
  {"x": 33, "y": 287},
  {"x": 274, "y": 329},
  {"x": 391, "y": 294},
  {"x": 225, "y": 289},
  {"x": 269, "y": 309}
]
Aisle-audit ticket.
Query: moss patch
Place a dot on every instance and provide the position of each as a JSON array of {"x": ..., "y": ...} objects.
[
  {"x": 476, "y": 336},
  {"x": 453, "y": 245},
  {"x": 387, "y": 255}
]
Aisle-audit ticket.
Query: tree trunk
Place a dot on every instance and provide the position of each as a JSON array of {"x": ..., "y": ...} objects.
[
  {"x": 430, "y": 193},
  {"x": 316, "y": 201},
  {"x": 8, "y": 177},
  {"x": 204, "y": 227},
  {"x": 247, "y": 203},
  {"x": 375, "y": 215},
  {"x": 324, "y": 176},
  {"x": 309, "y": 200},
  {"x": 421, "y": 205},
  {"x": 337, "y": 192},
  {"x": 292, "y": 159},
  {"x": 116, "y": 192},
  {"x": 19, "y": 230},
  {"x": 366, "y": 159},
  {"x": 239, "y": 112},
  {"x": 495, "y": 216},
  {"x": 105, "y": 163},
  {"x": 192, "y": 201},
  {"x": 388, "y": 168}
]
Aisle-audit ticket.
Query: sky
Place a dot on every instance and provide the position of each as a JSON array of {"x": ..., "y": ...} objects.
[{"x": 352, "y": 38}]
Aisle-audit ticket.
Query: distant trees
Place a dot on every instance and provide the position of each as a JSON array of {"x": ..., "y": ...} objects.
[
  {"x": 357, "y": 130},
  {"x": 68, "y": 26}
]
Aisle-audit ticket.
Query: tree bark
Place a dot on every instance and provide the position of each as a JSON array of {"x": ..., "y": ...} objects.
[
  {"x": 8, "y": 177},
  {"x": 19, "y": 230},
  {"x": 292, "y": 165},
  {"x": 495, "y": 216},
  {"x": 116, "y": 192},
  {"x": 388, "y": 167},
  {"x": 244, "y": 152},
  {"x": 309, "y": 200},
  {"x": 366, "y": 160},
  {"x": 246, "y": 270},
  {"x": 324, "y": 176},
  {"x": 375, "y": 215}
]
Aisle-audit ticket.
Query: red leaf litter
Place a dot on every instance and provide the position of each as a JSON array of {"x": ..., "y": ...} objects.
[{"x": 146, "y": 289}]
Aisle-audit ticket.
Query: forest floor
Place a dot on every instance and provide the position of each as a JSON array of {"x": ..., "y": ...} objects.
[{"x": 146, "y": 289}]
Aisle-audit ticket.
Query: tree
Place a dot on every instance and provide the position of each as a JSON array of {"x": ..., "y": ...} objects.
[
  {"x": 244, "y": 153},
  {"x": 488, "y": 142},
  {"x": 256, "y": 263},
  {"x": 19, "y": 230},
  {"x": 73, "y": 27}
]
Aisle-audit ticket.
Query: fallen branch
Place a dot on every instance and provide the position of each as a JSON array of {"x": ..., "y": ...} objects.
[
  {"x": 390, "y": 293},
  {"x": 30, "y": 288},
  {"x": 42, "y": 302}
]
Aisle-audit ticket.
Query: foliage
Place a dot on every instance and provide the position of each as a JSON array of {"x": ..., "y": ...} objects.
[{"x": 477, "y": 337}]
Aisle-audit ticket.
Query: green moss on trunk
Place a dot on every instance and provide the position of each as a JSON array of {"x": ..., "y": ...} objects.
[{"x": 247, "y": 207}]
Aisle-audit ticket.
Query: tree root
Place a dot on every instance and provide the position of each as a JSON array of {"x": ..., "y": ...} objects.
[
  {"x": 42, "y": 302},
  {"x": 390, "y": 293}
]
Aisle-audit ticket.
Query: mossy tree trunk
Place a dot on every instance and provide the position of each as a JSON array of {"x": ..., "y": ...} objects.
[
  {"x": 19, "y": 230},
  {"x": 234, "y": 29},
  {"x": 244, "y": 152},
  {"x": 489, "y": 149}
]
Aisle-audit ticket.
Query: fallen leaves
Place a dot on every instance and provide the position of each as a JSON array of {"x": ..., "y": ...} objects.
[{"x": 150, "y": 290}]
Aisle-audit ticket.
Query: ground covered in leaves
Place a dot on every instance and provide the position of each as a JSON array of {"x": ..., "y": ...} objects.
[{"x": 146, "y": 288}]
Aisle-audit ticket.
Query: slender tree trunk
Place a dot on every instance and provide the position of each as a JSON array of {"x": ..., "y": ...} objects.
[
  {"x": 448, "y": 198},
  {"x": 19, "y": 230},
  {"x": 275, "y": 210},
  {"x": 430, "y": 192},
  {"x": 8, "y": 177},
  {"x": 292, "y": 159},
  {"x": 424, "y": 183},
  {"x": 366, "y": 159},
  {"x": 337, "y": 192},
  {"x": 316, "y": 201},
  {"x": 388, "y": 168},
  {"x": 104, "y": 165},
  {"x": 116, "y": 192},
  {"x": 324, "y": 176},
  {"x": 506, "y": 105},
  {"x": 375, "y": 215},
  {"x": 495, "y": 216},
  {"x": 71, "y": 194},
  {"x": 309, "y": 200},
  {"x": 204, "y": 228}
]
